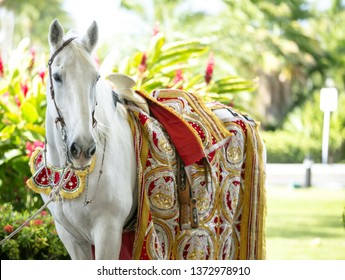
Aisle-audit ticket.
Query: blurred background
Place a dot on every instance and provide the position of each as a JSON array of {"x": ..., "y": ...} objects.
[{"x": 269, "y": 58}]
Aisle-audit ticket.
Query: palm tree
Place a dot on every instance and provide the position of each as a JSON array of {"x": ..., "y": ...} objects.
[
  {"x": 253, "y": 38},
  {"x": 32, "y": 17}
]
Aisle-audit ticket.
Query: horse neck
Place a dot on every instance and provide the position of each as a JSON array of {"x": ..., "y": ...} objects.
[{"x": 108, "y": 114}]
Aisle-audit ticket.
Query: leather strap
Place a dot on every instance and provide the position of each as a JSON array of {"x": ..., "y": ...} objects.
[{"x": 52, "y": 93}]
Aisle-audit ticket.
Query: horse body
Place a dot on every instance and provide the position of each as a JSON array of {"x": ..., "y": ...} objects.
[{"x": 82, "y": 99}]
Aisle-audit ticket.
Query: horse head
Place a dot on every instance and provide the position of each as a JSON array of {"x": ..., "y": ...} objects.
[{"x": 72, "y": 98}]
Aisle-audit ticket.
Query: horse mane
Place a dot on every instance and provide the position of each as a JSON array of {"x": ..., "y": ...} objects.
[{"x": 106, "y": 113}]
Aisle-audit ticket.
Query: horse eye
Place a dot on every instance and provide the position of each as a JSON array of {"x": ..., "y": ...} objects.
[
  {"x": 57, "y": 78},
  {"x": 98, "y": 78}
]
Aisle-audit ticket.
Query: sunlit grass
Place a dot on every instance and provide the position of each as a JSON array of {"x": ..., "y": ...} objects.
[{"x": 305, "y": 224}]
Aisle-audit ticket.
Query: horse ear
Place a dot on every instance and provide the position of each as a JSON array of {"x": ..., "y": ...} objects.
[
  {"x": 56, "y": 34},
  {"x": 91, "y": 37}
]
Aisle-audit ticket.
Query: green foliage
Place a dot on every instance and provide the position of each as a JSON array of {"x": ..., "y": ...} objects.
[
  {"x": 37, "y": 241},
  {"x": 307, "y": 121},
  {"x": 301, "y": 134},
  {"x": 177, "y": 65},
  {"x": 34, "y": 16},
  {"x": 22, "y": 111},
  {"x": 286, "y": 147}
]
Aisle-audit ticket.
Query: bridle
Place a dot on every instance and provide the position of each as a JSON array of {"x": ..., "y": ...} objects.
[
  {"x": 60, "y": 118},
  {"x": 62, "y": 123}
]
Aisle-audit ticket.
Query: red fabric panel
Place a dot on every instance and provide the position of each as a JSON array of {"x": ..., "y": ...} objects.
[
  {"x": 126, "y": 246},
  {"x": 126, "y": 252},
  {"x": 185, "y": 141}
]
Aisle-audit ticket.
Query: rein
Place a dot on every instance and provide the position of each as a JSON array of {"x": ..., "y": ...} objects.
[
  {"x": 55, "y": 193},
  {"x": 53, "y": 196}
]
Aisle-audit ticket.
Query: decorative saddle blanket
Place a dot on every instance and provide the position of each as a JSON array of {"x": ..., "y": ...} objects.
[{"x": 230, "y": 206}]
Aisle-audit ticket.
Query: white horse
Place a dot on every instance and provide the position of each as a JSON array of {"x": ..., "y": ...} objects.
[
  {"x": 82, "y": 120},
  {"x": 87, "y": 129}
]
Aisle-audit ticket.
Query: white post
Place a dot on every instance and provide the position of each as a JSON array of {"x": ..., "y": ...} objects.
[
  {"x": 325, "y": 136},
  {"x": 328, "y": 104}
]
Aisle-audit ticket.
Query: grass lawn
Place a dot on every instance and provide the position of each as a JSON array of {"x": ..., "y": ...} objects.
[{"x": 305, "y": 224}]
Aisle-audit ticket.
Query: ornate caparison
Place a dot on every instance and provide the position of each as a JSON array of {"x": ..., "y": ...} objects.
[{"x": 230, "y": 201}]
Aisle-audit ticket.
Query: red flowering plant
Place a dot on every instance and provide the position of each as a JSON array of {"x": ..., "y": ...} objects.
[
  {"x": 181, "y": 65},
  {"x": 38, "y": 240},
  {"x": 1, "y": 66},
  {"x": 22, "y": 112},
  {"x": 186, "y": 65}
]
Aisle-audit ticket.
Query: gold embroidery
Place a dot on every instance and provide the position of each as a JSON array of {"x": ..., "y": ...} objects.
[{"x": 221, "y": 202}]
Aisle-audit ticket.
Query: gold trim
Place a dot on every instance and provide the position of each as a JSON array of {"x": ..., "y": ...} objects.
[
  {"x": 262, "y": 201},
  {"x": 172, "y": 111},
  {"x": 142, "y": 145},
  {"x": 254, "y": 203},
  {"x": 204, "y": 109}
]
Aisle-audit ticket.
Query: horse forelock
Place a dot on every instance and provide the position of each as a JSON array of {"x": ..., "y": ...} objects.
[{"x": 80, "y": 49}]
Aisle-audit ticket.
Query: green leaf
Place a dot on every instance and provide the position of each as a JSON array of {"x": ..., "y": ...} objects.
[
  {"x": 29, "y": 112},
  {"x": 4, "y": 106},
  {"x": 35, "y": 129},
  {"x": 9, "y": 155},
  {"x": 234, "y": 89},
  {"x": 196, "y": 79},
  {"x": 171, "y": 69},
  {"x": 232, "y": 84},
  {"x": 186, "y": 52},
  {"x": 179, "y": 62},
  {"x": 7, "y": 132},
  {"x": 153, "y": 84},
  {"x": 15, "y": 74},
  {"x": 125, "y": 66},
  {"x": 3, "y": 87},
  {"x": 175, "y": 46},
  {"x": 155, "y": 48},
  {"x": 14, "y": 118}
]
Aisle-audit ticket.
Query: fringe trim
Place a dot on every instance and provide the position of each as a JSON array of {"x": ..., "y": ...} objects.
[{"x": 80, "y": 174}]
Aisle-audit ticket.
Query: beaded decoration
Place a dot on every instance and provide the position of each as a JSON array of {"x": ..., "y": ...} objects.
[{"x": 46, "y": 177}]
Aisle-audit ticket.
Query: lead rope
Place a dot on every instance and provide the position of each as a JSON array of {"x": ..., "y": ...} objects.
[
  {"x": 53, "y": 196},
  {"x": 86, "y": 200}
]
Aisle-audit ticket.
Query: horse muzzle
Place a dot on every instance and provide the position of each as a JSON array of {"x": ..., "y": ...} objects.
[{"x": 80, "y": 155}]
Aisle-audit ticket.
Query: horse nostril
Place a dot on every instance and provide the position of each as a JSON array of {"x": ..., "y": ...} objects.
[
  {"x": 75, "y": 150},
  {"x": 91, "y": 151}
]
